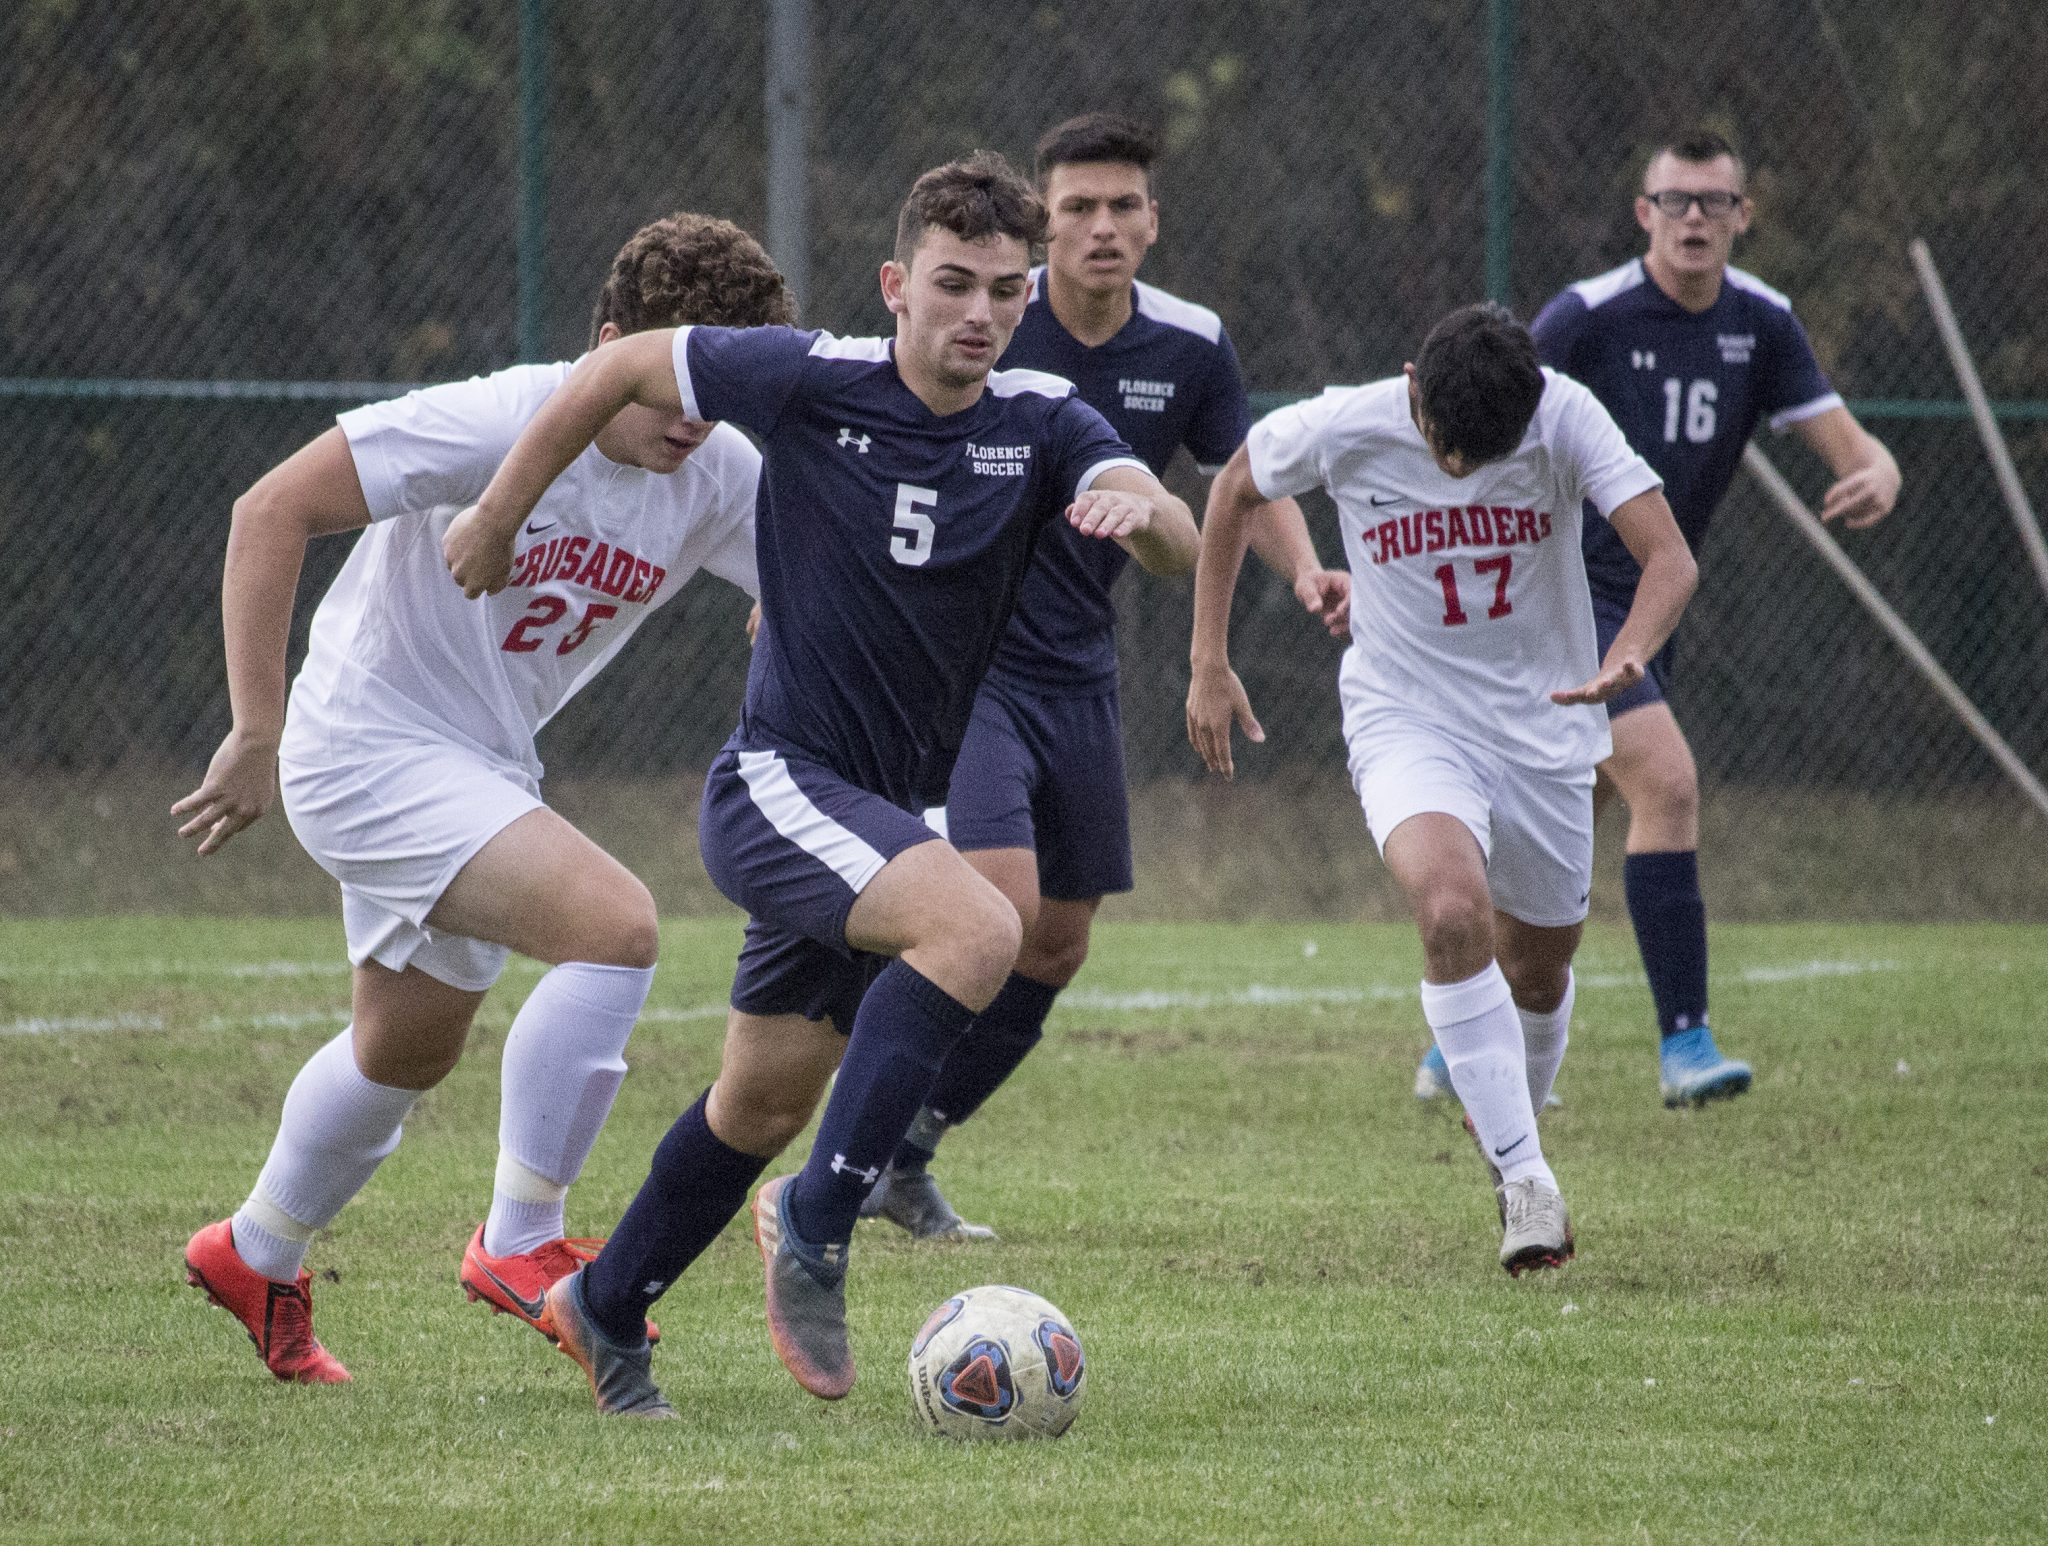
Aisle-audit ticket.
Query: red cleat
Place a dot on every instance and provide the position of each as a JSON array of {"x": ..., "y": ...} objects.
[
  {"x": 277, "y": 1316},
  {"x": 518, "y": 1285}
]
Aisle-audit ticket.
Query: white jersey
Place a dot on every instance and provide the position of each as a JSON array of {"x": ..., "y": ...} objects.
[
  {"x": 1469, "y": 599},
  {"x": 395, "y": 644}
]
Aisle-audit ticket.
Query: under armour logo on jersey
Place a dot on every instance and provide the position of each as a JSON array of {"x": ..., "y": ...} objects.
[
  {"x": 871, "y": 1175},
  {"x": 1643, "y": 359},
  {"x": 848, "y": 438},
  {"x": 653, "y": 1288}
]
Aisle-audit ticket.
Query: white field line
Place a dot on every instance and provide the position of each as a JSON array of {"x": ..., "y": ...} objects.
[
  {"x": 1261, "y": 996},
  {"x": 107, "y": 971},
  {"x": 1253, "y": 996},
  {"x": 285, "y": 1020},
  {"x": 185, "y": 971}
]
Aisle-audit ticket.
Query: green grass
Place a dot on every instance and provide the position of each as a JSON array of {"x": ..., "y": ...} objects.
[
  {"x": 1256, "y": 849},
  {"x": 1813, "y": 1314}
]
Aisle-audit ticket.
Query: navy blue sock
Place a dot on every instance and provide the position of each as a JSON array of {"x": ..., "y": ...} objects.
[
  {"x": 1670, "y": 916},
  {"x": 1001, "y": 1037},
  {"x": 922, "y": 1141},
  {"x": 695, "y": 1185},
  {"x": 905, "y": 1027}
]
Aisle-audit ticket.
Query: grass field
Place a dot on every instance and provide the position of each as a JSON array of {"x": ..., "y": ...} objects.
[{"x": 1813, "y": 1314}]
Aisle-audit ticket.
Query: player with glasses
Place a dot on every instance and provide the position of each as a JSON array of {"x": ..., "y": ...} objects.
[
  {"x": 1689, "y": 354},
  {"x": 1714, "y": 203}
]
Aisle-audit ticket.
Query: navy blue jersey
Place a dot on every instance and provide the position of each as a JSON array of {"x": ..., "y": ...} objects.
[
  {"x": 890, "y": 541},
  {"x": 1168, "y": 378},
  {"x": 1687, "y": 388}
]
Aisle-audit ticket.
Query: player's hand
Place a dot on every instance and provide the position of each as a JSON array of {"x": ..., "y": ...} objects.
[
  {"x": 1326, "y": 594},
  {"x": 1616, "y": 677},
  {"x": 1863, "y": 498},
  {"x": 240, "y": 785},
  {"x": 1111, "y": 513},
  {"x": 478, "y": 553},
  {"x": 754, "y": 625},
  {"x": 1216, "y": 700}
]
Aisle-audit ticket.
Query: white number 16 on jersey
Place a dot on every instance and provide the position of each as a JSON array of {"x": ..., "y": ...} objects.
[{"x": 912, "y": 543}]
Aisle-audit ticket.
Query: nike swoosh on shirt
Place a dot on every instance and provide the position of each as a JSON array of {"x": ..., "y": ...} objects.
[
  {"x": 1497, "y": 1154},
  {"x": 1387, "y": 501},
  {"x": 534, "y": 531},
  {"x": 531, "y": 1307}
]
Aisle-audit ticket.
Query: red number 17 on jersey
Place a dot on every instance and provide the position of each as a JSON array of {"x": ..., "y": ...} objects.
[{"x": 1501, "y": 565}]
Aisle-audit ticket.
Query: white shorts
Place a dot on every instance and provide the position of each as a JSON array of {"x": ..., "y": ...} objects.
[
  {"x": 1535, "y": 829},
  {"x": 394, "y": 824}
]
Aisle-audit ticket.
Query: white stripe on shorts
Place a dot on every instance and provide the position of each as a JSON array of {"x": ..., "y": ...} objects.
[{"x": 790, "y": 812}]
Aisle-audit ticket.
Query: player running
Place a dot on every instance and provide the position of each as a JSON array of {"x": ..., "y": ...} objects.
[
  {"x": 407, "y": 764},
  {"x": 1689, "y": 355},
  {"x": 906, "y": 483},
  {"x": 1470, "y": 689},
  {"x": 1037, "y": 800}
]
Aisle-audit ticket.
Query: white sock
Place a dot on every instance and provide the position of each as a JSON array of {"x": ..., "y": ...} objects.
[
  {"x": 268, "y": 1241},
  {"x": 563, "y": 1066},
  {"x": 526, "y": 1209},
  {"x": 1543, "y": 1041},
  {"x": 1481, "y": 1037},
  {"x": 335, "y": 1130}
]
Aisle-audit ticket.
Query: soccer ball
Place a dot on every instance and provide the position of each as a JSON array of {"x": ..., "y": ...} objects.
[{"x": 997, "y": 1363}]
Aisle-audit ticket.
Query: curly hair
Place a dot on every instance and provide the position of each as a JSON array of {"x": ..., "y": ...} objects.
[
  {"x": 975, "y": 197},
  {"x": 691, "y": 269}
]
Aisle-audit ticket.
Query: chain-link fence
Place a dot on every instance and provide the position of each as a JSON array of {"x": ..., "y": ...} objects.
[{"x": 225, "y": 220}]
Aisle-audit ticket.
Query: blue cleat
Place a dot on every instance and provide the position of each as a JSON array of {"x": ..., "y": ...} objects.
[
  {"x": 1433, "y": 1075},
  {"x": 1692, "y": 1070}
]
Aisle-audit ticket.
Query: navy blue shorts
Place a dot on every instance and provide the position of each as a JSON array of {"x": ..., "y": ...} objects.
[
  {"x": 1608, "y": 616},
  {"x": 793, "y": 843},
  {"x": 1045, "y": 773}
]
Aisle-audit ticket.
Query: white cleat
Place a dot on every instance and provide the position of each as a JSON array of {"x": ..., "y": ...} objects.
[{"x": 1538, "y": 1231}]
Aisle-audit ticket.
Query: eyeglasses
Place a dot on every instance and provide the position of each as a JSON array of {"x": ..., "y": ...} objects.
[{"x": 1714, "y": 203}]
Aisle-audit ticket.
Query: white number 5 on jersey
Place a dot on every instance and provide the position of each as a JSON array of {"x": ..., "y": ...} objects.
[{"x": 912, "y": 543}]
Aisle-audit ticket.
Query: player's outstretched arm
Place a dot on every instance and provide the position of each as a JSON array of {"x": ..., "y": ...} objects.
[
  {"x": 1647, "y": 529},
  {"x": 1866, "y": 477},
  {"x": 1216, "y": 698},
  {"x": 313, "y": 492},
  {"x": 638, "y": 368},
  {"x": 1132, "y": 508},
  {"x": 1280, "y": 538}
]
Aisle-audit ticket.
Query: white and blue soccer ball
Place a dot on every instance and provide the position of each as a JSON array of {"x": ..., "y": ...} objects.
[{"x": 997, "y": 1363}]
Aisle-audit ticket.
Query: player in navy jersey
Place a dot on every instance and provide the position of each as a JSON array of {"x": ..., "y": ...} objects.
[
  {"x": 1037, "y": 800},
  {"x": 905, "y": 485},
  {"x": 1689, "y": 354}
]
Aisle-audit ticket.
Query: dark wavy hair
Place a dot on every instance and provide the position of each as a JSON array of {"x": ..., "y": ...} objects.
[
  {"x": 975, "y": 197},
  {"x": 1479, "y": 382},
  {"x": 691, "y": 269}
]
